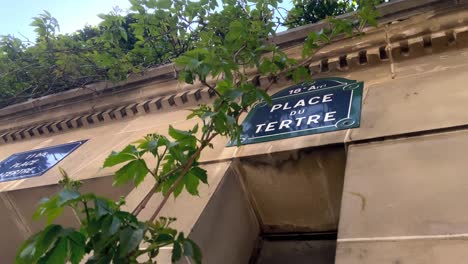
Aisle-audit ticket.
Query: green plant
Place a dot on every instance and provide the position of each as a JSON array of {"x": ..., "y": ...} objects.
[
  {"x": 311, "y": 11},
  {"x": 226, "y": 44}
]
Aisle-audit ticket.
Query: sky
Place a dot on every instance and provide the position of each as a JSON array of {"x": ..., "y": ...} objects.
[{"x": 16, "y": 15}]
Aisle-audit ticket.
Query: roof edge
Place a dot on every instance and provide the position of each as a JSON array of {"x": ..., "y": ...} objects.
[{"x": 396, "y": 10}]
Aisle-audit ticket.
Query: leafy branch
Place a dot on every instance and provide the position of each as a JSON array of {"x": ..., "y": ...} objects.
[{"x": 228, "y": 44}]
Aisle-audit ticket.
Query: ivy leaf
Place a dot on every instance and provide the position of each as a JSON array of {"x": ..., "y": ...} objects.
[{"x": 135, "y": 170}]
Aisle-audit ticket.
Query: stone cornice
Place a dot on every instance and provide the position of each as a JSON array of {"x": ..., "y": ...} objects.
[{"x": 427, "y": 26}]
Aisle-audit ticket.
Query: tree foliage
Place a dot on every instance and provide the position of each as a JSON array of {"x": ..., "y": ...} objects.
[
  {"x": 311, "y": 11},
  {"x": 122, "y": 44},
  {"x": 216, "y": 46}
]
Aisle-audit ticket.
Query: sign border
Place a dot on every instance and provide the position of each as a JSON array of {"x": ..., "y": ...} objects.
[
  {"x": 354, "y": 114},
  {"x": 81, "y": 142}
]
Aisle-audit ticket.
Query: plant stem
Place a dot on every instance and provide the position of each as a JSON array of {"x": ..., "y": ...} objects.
[{"x": 178, "y": 181}]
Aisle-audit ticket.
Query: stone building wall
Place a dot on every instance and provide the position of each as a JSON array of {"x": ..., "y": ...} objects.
[{"x": 393, "y": 190}]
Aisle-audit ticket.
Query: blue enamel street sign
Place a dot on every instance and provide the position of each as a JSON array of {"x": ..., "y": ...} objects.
[
  {"x": 35, "y": 162},
  {"x": 322, "y": 105}
]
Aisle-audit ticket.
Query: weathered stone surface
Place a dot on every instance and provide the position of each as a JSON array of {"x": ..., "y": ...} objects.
[
  {"x": 18, "y": 206},
  {"x": 305, "y": 184},
  {"x": 428, "y": 93},
  {"x": 220, "y": 219},
  {"x": 297, "y": 252},
  {"x": 399, "y": 191},
  {"x": 413, "y": 186},
  {"x": 426, "y": 251}
]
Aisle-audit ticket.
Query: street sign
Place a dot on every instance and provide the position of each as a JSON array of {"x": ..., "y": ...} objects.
[
  {"x": 35, "y": 162},
  {"x": 322, "y": 105}
]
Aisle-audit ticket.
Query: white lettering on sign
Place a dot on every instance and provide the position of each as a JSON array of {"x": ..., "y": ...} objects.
[
  {"x": 311, "y": 120},
  {"x": 299, "y": 121},
  {"x": 300, "y": 103},
  {"x": 327, "y": 98},
  {"x": 270, "y": 126},
  {"x": 330, "y": 116},
  {"x": 310, "y": 88},
  {"x": 259, "y": 128},
  {"x": 14, "y": 173},
  {"x": 285, "y": 124},
  {"x": 303, "y": 102},
  {"x": 37, "y": 155},
  {"x": 24, "y": 164}
]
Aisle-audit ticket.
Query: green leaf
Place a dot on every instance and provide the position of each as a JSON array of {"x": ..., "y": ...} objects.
[
  {"x": 113, "y": 227},
  {"x": 191, "y": 183},
  {"x": 310, "y": 44},
  {"x": 236, "y": 29},
  {"x": 27, "y": 252},
  {"x": 178, "y": 134},
  {"x": 50, "y": 235},
  {"x": 341, "y": 26},
  {"x": 135, "y": 170},
  {"x": 176, "y": 252},
  {"x": 151, "y": 143},
  {"x": 129, "y": 240},
  {"x": 196, "y": 252},
  {"x": 49, "y": 208},
  {"x": 184, "y": 138},
  {"x": 263, "y": 96},
  {"x": 248, "y": 99},
  {"x": 186, "y": 77},
  {"x": 267, "y": 66},
  {"x": 188, "y": 249},
  {"x": 164, "y": 4},
  {"x": 123, "y": 34},
  {"x": 57, "y": 254},
  {"x": 178, "y": 189},
  {"x": 39, "y": 245},
  {"x": 77, "y": 243},
  {"x": 164, "y": 238},
  {"x": 66, "y": 196},
  {"x": 128, "y": 153},
  {"x": 199, "y": 173},
  {"x": 300, "y": 74},
  {"x": 194, "y": 129},
  {"x": 101, "y": 207}
]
